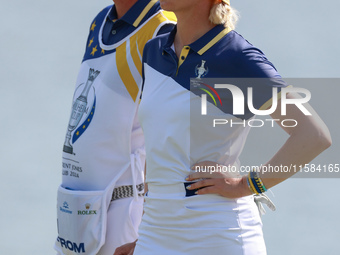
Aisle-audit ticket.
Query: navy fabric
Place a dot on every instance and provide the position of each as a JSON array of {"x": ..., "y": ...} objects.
[
  {"x": 115, "y": 30},
  {"x": 232, "y": 58},
  {"x": 189, "y": 193}
]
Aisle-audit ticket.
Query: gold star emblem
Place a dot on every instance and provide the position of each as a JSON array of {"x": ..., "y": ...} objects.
[
  {"x": 103, "y": 51},
  {"x": 93, "y": 26},
  {"x": 94, "y": 49},
  {"x": 91, "y": 41}
]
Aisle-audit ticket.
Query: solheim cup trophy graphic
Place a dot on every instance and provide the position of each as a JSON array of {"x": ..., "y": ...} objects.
[
  {"x": 201, "y": 70},
  {"x": 78, "y": 109}
]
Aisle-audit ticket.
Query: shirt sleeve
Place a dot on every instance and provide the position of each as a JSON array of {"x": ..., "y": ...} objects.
[{"x": 264, "y": 80}]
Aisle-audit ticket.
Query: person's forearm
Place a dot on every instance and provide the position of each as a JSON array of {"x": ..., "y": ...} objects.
[{"x": 299, "y": 149}]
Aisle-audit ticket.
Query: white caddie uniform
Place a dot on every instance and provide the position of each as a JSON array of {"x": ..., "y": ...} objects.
[
  {"x": 100, "y": 200},
  {"x": 177, "y": 135}
]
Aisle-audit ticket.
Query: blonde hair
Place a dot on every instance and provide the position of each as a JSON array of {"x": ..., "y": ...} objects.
[{"x": 223, "y": 13}]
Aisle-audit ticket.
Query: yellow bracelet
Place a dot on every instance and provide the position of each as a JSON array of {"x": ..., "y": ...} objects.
[{"x": 251, "y": 185}]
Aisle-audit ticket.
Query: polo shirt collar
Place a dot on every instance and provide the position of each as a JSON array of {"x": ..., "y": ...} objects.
[
  {"x": 112, "y": 14},
  {"x": 202, "y": 44},
  {"x": 170, "y": 40},
  {"x": 135, "y": 14}
]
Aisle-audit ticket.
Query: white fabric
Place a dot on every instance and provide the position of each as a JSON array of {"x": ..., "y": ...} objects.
[
  {"x": 104, "y": 144},
  {"x": 83, "y": 230},
  {"x": 122, "y": 230},
  {"x": 199, "y": 225},
  {"x": 79, "y": 211},
  {"x": 137, "y": 162},
  {"x": 109, "y": 132},
  {"x": 118, "y": 231},
  {"x": 177, "y": 137}
]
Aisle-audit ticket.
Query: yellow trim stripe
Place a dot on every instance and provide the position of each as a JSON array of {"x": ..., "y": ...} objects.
[
  {"x": 144, "y": 12},
  {"x": 183, "y": 56},
  {"x": 125, "y": 73},
  {"x": 138, "y": 41},
  {"x": 170, "y": 16},
  {"x": 134, "y": 53},
  {"x": 214, "y": 40},
  {"x": 148, "y": 30}
]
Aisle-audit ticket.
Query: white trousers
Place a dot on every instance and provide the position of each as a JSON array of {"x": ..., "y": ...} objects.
[{"x": 199, "y": 225}]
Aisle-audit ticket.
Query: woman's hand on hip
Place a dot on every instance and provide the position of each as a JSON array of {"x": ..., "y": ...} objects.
[{"x": 217, "y": 180}]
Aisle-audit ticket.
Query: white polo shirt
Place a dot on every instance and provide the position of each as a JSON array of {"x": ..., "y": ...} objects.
[{"x": 177, "y": 134}]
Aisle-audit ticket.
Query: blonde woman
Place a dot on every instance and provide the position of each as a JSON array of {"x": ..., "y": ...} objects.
[{"x": 216, "y": 215}]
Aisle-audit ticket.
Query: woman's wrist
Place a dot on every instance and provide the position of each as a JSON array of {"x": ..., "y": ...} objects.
[
  {"x": 246, "y": 191},
  {"x": 255, "y": 183}
]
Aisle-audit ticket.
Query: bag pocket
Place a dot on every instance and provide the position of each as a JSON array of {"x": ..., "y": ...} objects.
[{"x": 77, "y": 213}]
